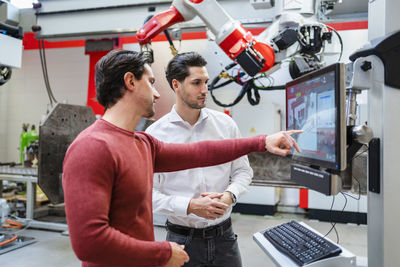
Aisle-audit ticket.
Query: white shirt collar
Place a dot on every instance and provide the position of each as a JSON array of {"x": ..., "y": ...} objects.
[{"x": 175, "y": 117}]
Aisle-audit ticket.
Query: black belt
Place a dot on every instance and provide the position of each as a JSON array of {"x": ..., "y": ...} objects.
[{"x": 209, "y": 232}]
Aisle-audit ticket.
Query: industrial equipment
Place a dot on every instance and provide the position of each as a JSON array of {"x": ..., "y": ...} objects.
[
  {"x": 10, "y": 40},
  {"x": 237, "y": 42},
  {"x": 291, "y": 36},
  {"x": 56, "y": 133},
  {"x": 314, "y": 105}
]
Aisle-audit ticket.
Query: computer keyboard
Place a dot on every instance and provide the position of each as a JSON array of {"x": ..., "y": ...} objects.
[{"x": 300, "y": 243}]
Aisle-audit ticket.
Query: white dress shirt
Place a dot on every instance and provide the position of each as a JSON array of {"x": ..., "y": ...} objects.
[{"x": 173, "y": 191}]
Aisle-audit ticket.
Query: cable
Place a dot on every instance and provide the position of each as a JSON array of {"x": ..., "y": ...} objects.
[
  {"x": 174, "y": 52},
  {"x": 12, "y": 224},
  {"x": 44, "y": 67},
  {"x": 331, "y": 219},
  {"x": 224, "y": 74},
  {"x": 359, "y": 184},
  {"x": 359, "y": 190},
  {"x": 252, "y": 91},
  {"x": 238, "y": 98},
  {"x": 8, "y": 230},
  {"x": 47, "y": 74},
  {"x": 340, "y": 40},
  {"x": 12, "y": 239},
  {"x": 44, "y": 73},
  {"x": 330, "y": 214},
  {"x": 341, "y": 213},
  {"x": 22, "y": 229},
  {"x": 9, "y": 227},
  {"x": 43, "y": 63},
  {"x": 248, "y": 87}
]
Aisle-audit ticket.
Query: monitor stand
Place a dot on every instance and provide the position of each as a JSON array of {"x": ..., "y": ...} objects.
[{"x": 315, "y": 179}]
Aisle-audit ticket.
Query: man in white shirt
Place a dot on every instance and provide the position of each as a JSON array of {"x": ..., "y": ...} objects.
[{"x": 198, "y": 202}]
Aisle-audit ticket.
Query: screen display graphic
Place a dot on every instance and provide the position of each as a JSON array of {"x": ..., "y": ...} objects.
[{"x": 311, "y": 107}]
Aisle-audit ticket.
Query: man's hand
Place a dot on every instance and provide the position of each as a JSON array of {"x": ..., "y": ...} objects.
[
  {"x": 280, "y": 143},
  {"x": 178, "y": 256},
  {"x": 208, "y": 207},
  {"x": 224, "y": 197}
]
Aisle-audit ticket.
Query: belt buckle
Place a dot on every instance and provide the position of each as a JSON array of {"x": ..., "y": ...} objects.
[{"x": 205, "y": 236}]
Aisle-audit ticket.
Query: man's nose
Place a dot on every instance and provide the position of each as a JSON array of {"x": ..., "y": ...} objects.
[
  {"x": 156, "y": 94},
  {"x": 204, "y": 90}
]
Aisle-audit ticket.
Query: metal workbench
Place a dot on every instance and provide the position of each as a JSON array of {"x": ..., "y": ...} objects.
[{"x": 29, "y": 176}]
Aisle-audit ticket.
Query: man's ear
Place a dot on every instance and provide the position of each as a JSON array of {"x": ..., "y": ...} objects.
[
  {"x": 175, "y": 84},
  {"x": 129, "y": 80}
]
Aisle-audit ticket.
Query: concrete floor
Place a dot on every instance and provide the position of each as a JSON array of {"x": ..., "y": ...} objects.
[{"x": 53, "y": 249}]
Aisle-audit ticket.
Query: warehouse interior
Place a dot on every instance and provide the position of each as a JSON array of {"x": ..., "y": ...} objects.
[{"x": 325, "y": 67}]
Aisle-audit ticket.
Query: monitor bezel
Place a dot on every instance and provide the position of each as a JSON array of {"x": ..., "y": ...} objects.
[{"x": 340, "y": 88}]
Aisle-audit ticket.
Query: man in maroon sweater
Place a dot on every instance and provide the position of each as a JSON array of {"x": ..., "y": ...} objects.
[{"x": 108, "y": 169}]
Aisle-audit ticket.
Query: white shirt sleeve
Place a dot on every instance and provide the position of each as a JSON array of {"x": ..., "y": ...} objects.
[
  {"x": 241, "y": 172},
  {"x": 166, "y": 204}
]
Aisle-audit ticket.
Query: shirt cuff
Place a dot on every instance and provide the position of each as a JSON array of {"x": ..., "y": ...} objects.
[
  {"x": 181, "y": 205},
  {"x": 234, "y": 191}
]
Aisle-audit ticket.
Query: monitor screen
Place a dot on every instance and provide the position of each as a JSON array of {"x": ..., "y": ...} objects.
[{"x": 315, "y": 104}]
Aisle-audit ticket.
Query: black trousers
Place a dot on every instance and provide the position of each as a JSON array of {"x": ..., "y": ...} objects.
[{"x": 218, "y": 251}]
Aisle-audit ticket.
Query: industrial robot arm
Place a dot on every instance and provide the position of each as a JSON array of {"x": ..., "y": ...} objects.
[{"x": 237, "y": 42}]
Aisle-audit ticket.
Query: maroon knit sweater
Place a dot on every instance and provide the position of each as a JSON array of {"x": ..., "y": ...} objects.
[{"x": 108, "y": 180}]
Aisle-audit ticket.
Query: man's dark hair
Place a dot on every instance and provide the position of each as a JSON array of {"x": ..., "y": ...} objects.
[
  {"x": 178, "y": 67},
  {"x": 110, "y": 71}
]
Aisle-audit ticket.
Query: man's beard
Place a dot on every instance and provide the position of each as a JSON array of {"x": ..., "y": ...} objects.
[
  {"x": 149, "y": 114},
  {"x": 149, "y": 111},
  {"x": 193, "y": 104}
]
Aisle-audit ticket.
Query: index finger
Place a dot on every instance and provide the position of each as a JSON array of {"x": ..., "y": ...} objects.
[
  {"x": 297, "y": 147},
  {"x": 290, "y": 132}
]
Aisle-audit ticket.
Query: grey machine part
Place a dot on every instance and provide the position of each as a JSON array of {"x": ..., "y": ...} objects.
[
  {"x": 273, "y": 170},
  {"x": 56, "y": 133}
]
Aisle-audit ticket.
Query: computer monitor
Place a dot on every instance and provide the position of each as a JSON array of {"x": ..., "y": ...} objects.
[{"x": 315, "y": 103}]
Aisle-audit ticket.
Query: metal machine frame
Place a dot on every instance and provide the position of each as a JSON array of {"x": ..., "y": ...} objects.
[
  {"x": 373, "y": 71},
  {"x": 31, "y": 180}
]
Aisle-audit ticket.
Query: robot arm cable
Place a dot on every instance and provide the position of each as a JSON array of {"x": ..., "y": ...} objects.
[
  {"x": 45, "y": 73},
  {"x": 249, "y": 87},
  {"x": 340, "y": 40}
]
